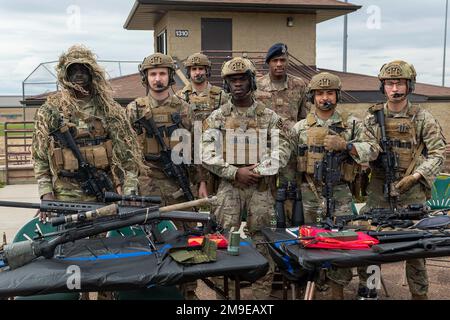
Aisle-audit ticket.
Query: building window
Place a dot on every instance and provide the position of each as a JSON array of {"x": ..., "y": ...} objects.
[{"x": 161, "y": 42}]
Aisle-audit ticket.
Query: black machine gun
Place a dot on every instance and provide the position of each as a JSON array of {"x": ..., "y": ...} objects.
[
  {"x": 388, "y": 160},
  {"x": 431, "y": 234},
  {"x": 328, "y": 172},
  {"x": 385, "y": 217},
  {"x": 95, "y": 222},
  {"x": 172, "y": 170},
  {"x": 93, "y": 182},
  {"x": 289, "y": 191}
]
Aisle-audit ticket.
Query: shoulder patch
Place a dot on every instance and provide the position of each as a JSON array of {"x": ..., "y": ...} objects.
[
  {"x": 376, "y": 107},
  {"x": 310, "y": 119},
  {"x": 215, "y": 90},
  {"x": 142, "y": 101}
]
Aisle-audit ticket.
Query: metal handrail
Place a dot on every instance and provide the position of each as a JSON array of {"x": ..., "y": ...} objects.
[{"x": 23, "y": 155}]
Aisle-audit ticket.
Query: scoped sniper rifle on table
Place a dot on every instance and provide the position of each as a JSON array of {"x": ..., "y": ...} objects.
[
  {"x": 100, "y": 220},
  {"x": 385, "y": 217}
]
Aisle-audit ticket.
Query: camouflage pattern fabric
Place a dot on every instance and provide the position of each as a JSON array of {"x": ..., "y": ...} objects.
[
  {"x": 313, "y": 207},
  {"x": 289, "y": 102},
  {"x": 201, "y": 104},
  {"x": 233, "y": 200},
  {"x": 429, "y": 132},
  {"x": 265, "y": 118},
  {"x": 162, "y": 185},
  {"x": 126, "y": 160}
]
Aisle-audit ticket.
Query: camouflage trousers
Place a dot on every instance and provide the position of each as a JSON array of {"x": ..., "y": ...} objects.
[
  {"x": 313, "y": 209},
  {"x": 259, "y": 205},
  {"x": 416, "y": 275},
  {"x": 416, "y": 271}
]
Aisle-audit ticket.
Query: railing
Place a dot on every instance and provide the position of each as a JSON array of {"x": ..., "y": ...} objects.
[
  {"x": 295, "y": 67},
  {"x": 18, "y": 149}
]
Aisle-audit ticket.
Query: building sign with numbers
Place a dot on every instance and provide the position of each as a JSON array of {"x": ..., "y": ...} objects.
[{"x": 182, "y": 33}]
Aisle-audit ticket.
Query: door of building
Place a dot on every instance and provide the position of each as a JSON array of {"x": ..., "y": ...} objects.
[{"x": 217, "y": 37}]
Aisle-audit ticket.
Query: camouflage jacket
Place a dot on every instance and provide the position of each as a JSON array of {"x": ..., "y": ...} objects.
[
  {"x": 289, "y": 103},
  {"x": 141, "y": 106},
  {"x": 45, "y": 169},
  {"x": 264, "y": 119},
  {"x": 339, "y": 119},
  {"x": 428, "y": 131},
  {"x": 202, "y": 103}
]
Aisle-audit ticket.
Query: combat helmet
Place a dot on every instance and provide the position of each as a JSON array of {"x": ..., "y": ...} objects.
[
  {"x": 398, "y": 69},
  {"x": 239, "y": 65},
  {"x": 157, "y": 60},
  {"x": 197, "y": 59},
  {"x": 324, "y": 81}
]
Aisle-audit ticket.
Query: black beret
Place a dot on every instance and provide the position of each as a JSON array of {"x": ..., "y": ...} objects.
[{"x": 276, "y": 50}]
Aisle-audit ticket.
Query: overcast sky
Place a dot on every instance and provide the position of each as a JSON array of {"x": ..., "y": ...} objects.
[{"x": 33, "y": 31}]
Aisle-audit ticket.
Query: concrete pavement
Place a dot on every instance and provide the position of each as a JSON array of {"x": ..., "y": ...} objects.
[{"x": 11, "y": 219}]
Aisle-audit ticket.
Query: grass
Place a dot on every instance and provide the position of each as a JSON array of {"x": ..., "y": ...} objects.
[{"x": 14, "y": 126}]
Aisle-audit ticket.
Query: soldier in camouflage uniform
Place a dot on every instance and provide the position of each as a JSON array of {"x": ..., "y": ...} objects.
[
  {"x": 286, "y": 95},
  {"x": 203, "y": 98},
  {"x": 157, "y": 71},
  {"x": 323, "y": 130},
  {"x": 244, "y": 170},
  {"x": 417, "y": 139},
  {"x": 103, "y": 133}
]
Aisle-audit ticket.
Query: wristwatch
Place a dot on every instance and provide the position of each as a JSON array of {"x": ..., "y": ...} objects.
[{"x": 349, "y": 147}]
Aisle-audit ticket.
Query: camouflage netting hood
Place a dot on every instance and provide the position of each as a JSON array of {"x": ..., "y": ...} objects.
[{"x": 65, "y": 102}]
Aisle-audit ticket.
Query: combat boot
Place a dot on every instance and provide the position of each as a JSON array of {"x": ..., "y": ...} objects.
[{"x": 337, "y": 291}]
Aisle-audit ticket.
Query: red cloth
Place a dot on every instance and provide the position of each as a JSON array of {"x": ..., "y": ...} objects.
[
  {"x": 364, "y": 241},
  {"x": 221, "y": 241}
]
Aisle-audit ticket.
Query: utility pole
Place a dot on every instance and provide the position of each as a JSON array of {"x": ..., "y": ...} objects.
[
  {"x": 445, "y": 43},
  {"x": 344, "y": 68}
]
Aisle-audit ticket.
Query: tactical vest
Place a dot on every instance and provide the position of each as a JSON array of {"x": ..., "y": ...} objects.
[
  {"x": 314, "y": 151},
  {"x": 402, "y": 136},
  {"x": 94, "y": 144},
  {"x": 203, "y": 106},
  {"x": 165, "y": 119},
  {"x": 244, "y": 139}
]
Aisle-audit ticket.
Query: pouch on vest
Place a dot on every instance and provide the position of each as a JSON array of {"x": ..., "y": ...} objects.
[
  {"x": 302, "y": 151},
  {"x": 316, "y": 151},
  {"x": 402, "y": 135}
]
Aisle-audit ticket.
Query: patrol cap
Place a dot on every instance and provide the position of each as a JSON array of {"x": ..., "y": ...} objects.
[
  {"x": 325, "y": 81},
  {"x": 197, "y": 59},
  {"x": 397, "y": 69},
  {"x": 237, "y": 65},
  {"x": 157, "y": 60},
  {"x": 276, "y": 50}
]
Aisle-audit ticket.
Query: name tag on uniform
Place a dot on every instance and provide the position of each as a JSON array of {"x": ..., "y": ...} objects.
[
  {"x": 161, "y": 118},
  {"x": 279, "y": 102}
]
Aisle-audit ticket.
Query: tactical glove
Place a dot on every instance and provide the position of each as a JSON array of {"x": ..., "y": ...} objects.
[{"x": 406, "y": 183}]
